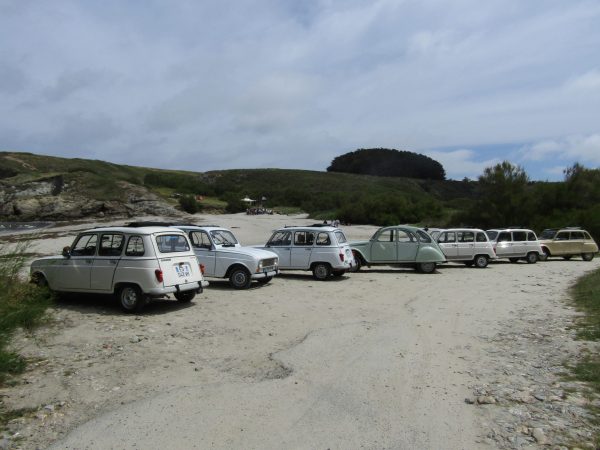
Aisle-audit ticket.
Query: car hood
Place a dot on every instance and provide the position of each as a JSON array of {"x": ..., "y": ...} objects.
[{"x": 254, "y": 252}]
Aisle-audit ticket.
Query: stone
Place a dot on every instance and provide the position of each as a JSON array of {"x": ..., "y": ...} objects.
[
  {"x": 486, "y": 400},
  {"x": 539, "y": 436}
]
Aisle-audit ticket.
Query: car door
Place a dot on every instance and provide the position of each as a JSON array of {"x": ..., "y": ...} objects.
[
  {"x": 205, "y": 251},
  {"x": 408, "y": 245},
  {"x": 106, "y": 261},
  {"x": 576, "y": 241},
  {"x": 519, "y": 243},
  {"x": 447, "y": 242},
  {"x": 465, "y": 241},
  {"x": 281, "y": 244},
  {"x": 561, "y": 244},
  {"x": 383, "y": 247},
  {"x": 302, "y": 249},
  {"x": 75, "y": 271}
]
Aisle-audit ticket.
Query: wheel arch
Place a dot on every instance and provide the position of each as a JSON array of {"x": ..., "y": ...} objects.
[
  {"x": 236, "y": 265},
  {"x": 120, "y": 284},
  {"x": 356, "y": 252}
]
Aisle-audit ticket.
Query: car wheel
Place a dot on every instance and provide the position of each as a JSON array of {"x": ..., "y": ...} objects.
[
  {"x": 264, "y": 280},
  {"x": 185, "y": 297},
  {"x": 426, "y": 267},
  {"x": 587, "y": 256},
  {"x": 567, "y": 257},
  {"x": 481, "y": 261},
  {"x": 40, "y": 280},
  {"x": 514, "y": 260},
  {"x": 532, "y": 258},
  {"x": 357, "y": 263},
  {"x": 239, "y": 278},
  {"x": 321, "y": 271},
  {"x": 131, "y": 298}
]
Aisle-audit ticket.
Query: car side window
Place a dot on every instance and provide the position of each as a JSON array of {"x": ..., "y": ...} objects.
[
  {"x": 467, "y": 236},
  {"x": 504, "y": 237},
  {"x": 85, "y": 245},
  {"x": 386, "y": 236},
  {"x": 323, "y": 239},
  {"x": 423, "y": 237},
  {"x": 519, "y": 236},
  {"x": 531, "y": 236},
  {"x": 200, "y": 239},
  {"x": 481, "y": 237},
  {"x": 448, "y": 236},
  {"x": 135, "y": 246},
  {"x": 405, "y": 236},
  {"x": 304, "y": 238},
  {"x": 576, "y": 235},
  {"x": 111, "y": 245},
  {"x": 280, "y": 238},
  {"x": 562, "y": 237}
]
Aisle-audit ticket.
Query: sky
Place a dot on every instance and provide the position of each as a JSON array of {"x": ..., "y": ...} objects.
[{"x": 215, "y": 84}]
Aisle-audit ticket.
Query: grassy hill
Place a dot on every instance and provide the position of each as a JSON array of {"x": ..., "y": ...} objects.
[{"x": 355, "y": 198}]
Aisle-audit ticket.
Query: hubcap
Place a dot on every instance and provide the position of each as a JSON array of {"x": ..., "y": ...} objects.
[
  {"x": 239, "y": 278},
  {"x": 481, "y": 261},
  {"x": 129, "y": 297},
  {"x": 321, "y": 271}
]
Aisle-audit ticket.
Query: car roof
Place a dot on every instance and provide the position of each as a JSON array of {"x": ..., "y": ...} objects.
[
  {"x": 309, "y": 228},
  {"x": 132, "y": 230},
  {"x": 200, "y": 227},
  {"x": 463, "y": 229}
]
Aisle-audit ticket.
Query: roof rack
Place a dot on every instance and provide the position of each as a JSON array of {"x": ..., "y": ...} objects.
[{"x": 571, "y": 228}]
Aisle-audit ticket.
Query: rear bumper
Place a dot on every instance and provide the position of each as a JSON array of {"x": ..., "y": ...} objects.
[
  {"x": 197, "y": 286},
  {"x": 257, "y": 276}
]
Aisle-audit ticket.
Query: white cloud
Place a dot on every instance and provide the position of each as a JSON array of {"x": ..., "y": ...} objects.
[
  {"x": 461, "y": 163},
  {"x": 582, "y": 149}
]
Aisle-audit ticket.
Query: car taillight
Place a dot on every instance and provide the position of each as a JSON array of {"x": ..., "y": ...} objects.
[
  {"x": 341, "y": 257},
  {"x": 159, "y": 275},
  {"x": 202, "y": 269},
  {"x": 494, "y": 249}
]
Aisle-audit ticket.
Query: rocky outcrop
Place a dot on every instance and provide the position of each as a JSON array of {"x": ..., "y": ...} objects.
[{"x": 53, "y": 199}]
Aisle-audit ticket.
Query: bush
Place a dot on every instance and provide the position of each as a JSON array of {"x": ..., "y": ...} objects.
[
  {"x": 22, "y": 305},
  {"x": 189, "y": 204}
]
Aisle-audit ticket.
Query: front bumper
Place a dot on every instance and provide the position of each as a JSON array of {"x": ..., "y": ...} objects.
[{"x": 258, "y": 276}]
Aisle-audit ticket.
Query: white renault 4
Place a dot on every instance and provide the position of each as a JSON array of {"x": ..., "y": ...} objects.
[
  {"x": 134, "y": 263},
  {"x": 322, "y": 249},
  {"x": 467, "y": 245}
]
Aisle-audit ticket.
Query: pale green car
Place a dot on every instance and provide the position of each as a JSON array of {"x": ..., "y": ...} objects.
[{"x": 403, "y": 245}]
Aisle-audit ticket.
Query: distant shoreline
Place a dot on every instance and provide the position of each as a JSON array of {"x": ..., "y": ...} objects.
[{"x": 10, "y": 227}]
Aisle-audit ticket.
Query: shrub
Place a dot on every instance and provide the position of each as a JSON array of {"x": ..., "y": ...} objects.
[{"x": 189, "y": 204}]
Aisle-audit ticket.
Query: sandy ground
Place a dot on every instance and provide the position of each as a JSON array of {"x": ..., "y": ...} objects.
[{"x": 383, "y": 358}]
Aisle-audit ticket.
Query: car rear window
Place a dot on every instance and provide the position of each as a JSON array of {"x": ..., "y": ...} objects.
[{"x": 172, "y": 243}]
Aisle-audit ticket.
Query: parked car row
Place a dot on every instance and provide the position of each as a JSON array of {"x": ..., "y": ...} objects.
[{"x": 146, "y": 260}]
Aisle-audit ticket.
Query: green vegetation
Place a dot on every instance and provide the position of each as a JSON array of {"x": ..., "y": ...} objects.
[
  {"x": 384, "y": 162},
  {"x": 22, "y": 305},
  {"x": 189, "y": 204},
  {"x": 586, "y": 293}
]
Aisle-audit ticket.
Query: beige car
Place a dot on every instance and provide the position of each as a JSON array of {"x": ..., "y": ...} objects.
[{"x": 568, "y": 242}]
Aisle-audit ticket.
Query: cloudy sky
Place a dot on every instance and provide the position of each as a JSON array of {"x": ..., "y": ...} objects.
[{"x": 216, "y": 84}]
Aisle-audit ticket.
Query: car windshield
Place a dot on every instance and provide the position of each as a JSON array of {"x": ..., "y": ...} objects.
[
  {"x": 548, "y": 234},
  {"x": 492, "y": 234},
  {"x": 224, "y": 238}
]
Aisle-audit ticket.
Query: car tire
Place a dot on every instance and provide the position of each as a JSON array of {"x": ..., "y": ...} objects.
[
  {"x": 185, "y": 297},
  {"x": 531, "y": 258},
  {"x": 40, "y": 280},
  {"x": 567, "y": 257},
  {"x": 587, "y": 256},
  {"x": 239, "y": 278},
  {"x": 131, "y": 298},
  {"x": 481, "y": 261},
  {"x": 426, "y": 267},
  {"x": 514, "y": 260},
  {"x": 357, "y": 263},
  {"x": 321, "y": 271},
  {"x": 264, "y": 280}
]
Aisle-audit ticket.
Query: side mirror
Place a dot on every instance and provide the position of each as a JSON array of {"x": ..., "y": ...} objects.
[{"x": 66, "y": 251}]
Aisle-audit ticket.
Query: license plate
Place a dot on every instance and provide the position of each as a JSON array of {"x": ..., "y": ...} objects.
[
  {"x": 268, "y": 269},
  {"x": 183, "y": 270}
]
